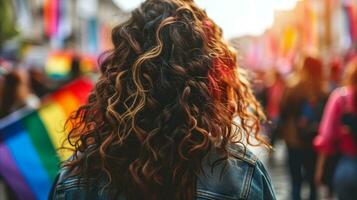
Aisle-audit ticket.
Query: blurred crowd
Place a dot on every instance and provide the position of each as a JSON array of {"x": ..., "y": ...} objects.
[
  {"x": 314, "y": 111},
  {"x": 24, "y": 86}
]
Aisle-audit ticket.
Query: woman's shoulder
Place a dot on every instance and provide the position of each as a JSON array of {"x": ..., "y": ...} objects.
[
  {"x": 242, "y": 153},
  {"x": 241, "y": 176},
  {"x": 339, "y": 96},
  {"x": 343, "y": 91},
  {"x": 73, "y": 186}
]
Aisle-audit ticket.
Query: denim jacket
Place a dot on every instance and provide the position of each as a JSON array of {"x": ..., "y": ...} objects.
[{"x": 242, "y": 176}]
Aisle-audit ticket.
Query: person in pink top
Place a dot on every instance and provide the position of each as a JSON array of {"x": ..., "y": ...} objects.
[{"x": 338, "y": 135}]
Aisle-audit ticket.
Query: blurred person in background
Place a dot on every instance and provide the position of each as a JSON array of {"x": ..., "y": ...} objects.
[
  {"x": 259, "y": 87},
  {"x": 301, "y": 109},
  {"x": 75, "y": 72},
  {"x": 160, "y": 122},
  {"x": 338, "y": 135},
  {"x": 335, "y": 67},
  {"x": 40, "y": 83},
  {"x": 16, "y": 92},
  {"x": 275, "y": 89}
]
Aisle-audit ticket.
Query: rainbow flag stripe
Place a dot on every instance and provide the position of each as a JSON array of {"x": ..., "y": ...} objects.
[{"x": 29, "y": 159}]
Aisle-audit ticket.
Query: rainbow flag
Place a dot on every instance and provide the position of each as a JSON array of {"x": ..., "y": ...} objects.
[
  {"x": 29, "y": 160},
  {"x": 58, "y": 64}
]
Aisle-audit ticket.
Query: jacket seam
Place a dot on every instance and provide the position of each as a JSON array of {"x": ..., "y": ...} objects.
[
  {"x": 212, "y": 195},
  {"x": 247, "y": 183}
]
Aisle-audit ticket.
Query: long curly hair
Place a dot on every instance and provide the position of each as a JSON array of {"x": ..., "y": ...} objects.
[{"x": 168, "y": 92}]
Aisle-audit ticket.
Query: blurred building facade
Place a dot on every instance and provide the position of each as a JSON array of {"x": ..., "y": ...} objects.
[
  {"x": 327, "y": 28},
  {"x": 81, "y": 25}
]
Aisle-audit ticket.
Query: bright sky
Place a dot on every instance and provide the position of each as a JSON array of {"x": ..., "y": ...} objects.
[{"x": 236, "y": 17}]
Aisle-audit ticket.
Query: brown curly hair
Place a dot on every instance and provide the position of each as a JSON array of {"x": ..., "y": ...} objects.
[{"x": 168, "y": 92}]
